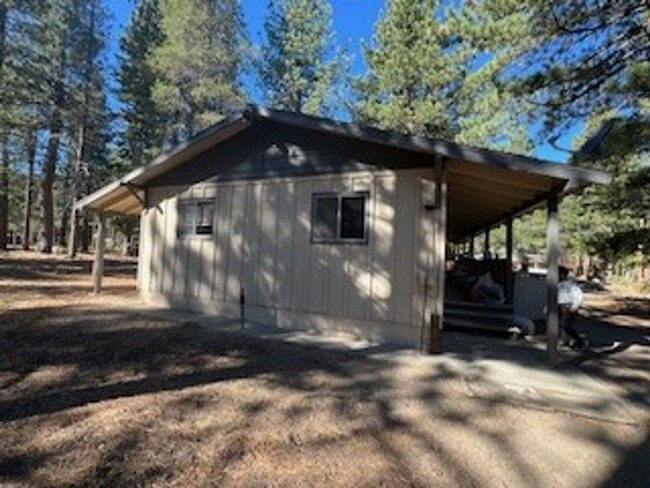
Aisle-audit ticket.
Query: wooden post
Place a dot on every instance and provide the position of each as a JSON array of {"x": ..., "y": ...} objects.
[
  {"x": 471, "y": 247},
  {"x": 72, "y": 237},
  {"x": 100, "y": 245},
  {"x": 439, "y": 256},
  {"x": 509, "y": 283},
  {"x": 486, "y": 245},
  {"x": 552, "y": 278}
]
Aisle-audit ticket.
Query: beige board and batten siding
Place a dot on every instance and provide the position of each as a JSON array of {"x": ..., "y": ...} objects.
[{"x": 261, "y": 241}]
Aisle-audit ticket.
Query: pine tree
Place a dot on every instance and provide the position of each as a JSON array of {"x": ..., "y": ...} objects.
[
  {"x": 3, "y": 32},
  {"x": 300, "y": 69},
  {"x": 142, "y": 136},
  {"x": 413, "y": 71},
  {"x": 19, "y": 60},
  {"x": 569, "y": 54},
  {"x": 4, "y": 170},
  {"x": 612, "y": 221},
  {"x": 58, "y": 18},
  {"x": 89, "y": 112},
  {"x": 487, "y": 111},
  {"x": 197, "y": 65},
  {"x": 31, "y": 142}
]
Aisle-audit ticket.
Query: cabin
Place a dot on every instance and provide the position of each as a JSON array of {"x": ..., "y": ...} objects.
[{"x": 304, "y": 222}]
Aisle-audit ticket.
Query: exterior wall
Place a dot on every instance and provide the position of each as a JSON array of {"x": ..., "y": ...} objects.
[
  {"x": 276, "y": 151},
  {"x": 262, "y": 242}
]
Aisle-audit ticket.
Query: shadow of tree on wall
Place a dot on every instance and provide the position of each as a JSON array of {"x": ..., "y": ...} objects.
[{"x": 263, "y": 245}]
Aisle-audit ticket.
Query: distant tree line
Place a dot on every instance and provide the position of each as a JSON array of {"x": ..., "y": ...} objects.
[{"x": 482, "y": 72}]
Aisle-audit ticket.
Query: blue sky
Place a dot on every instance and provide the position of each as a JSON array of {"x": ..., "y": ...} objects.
[{"x": 353, "y": 23}]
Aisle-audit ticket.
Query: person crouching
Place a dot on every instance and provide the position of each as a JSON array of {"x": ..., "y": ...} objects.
[{"x": 569, "y": 301}]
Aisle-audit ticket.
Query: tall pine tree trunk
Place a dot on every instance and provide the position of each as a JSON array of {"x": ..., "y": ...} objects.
[
  {"x": 4, "y": 191},
  {"x": 51, "y": 155},
  {"x": 85, "y": 235},
  {"x": 73, "y": 238},
  {"x": 3, "y": 31},
  {"x": 4, "y": 194},
  {"x": 46, "y": 238},
  {"x": 76, "y": 175},
  {"x": 27, "y": 215},
  {"x": 62, "y": 236}
]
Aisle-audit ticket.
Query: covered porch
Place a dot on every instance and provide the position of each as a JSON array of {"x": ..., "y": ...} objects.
[
  {"x": 473, "y": 197},
  {"x": 469, "y": 191}
]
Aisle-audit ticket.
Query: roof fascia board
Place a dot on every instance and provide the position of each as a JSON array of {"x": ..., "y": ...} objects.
[
  {"x": 577, "y": 176},
  {"x": 178, "y": 155}
]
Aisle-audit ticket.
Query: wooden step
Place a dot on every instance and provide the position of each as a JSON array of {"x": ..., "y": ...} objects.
[
  {"x": 481, "y": 326},
  {"x": 473, "y": 306},
  {"x": 482, "y": 317}
]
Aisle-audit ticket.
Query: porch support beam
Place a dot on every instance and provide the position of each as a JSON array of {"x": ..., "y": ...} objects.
[
  {"x": 552, "y": 278},
  {"x": 439, "y": 256},
  {"x": 486, "y": 244},
  {"x": 133, "y": 189},
  {"x": 509, "y": 274},
  {"x": 100, "y": 247}
]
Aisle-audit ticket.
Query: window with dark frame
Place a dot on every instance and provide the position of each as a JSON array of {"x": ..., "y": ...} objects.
[
  {"x": 195, "y": 217},
  {"x": 339, "y": 218}
]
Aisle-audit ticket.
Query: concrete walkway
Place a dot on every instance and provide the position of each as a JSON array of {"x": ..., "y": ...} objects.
[{"x": 492, "y": 369}]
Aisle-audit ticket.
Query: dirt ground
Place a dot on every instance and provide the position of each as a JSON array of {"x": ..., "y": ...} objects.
[{"x": 92, "y": 394}]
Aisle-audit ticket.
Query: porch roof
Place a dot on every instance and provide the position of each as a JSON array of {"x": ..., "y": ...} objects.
[{"x": 485, "y": 187}]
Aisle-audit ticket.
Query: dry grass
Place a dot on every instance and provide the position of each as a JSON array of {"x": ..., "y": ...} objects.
[{"x": 92, "y": 395}]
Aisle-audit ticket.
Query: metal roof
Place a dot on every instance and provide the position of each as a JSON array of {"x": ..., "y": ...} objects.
[{"x": 485, "y": 186}]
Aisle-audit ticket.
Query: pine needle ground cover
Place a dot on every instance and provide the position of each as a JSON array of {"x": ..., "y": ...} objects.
[{"x": 93, "y": 393}]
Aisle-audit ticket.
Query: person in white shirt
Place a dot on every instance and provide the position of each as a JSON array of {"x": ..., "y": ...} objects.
[{"x": 569, "y": 300}]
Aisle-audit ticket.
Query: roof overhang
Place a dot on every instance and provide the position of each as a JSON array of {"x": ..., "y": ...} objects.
[
  {"x": 575, "y": 175},
  {"x": 127, "y": 195},
  {"x": 485, "y": 187}
]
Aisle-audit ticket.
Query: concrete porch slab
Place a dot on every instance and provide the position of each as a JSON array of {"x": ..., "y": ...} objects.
[{"x": 491, "y": 369}]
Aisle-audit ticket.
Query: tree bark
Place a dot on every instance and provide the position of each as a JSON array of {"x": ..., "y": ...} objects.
[
  {"x": 47, "y": 202},
  {"x": 3, "y": 32},
  {"x": 73, "y": 240},
  {"x": 4, "y": 195},
  {"x": 61, "y": 237},
  {"x": 74, "y": 221},
  {"x": 51, "y": 156},
  {"x": 27, "y": 215},
  {"x": 85, "y": 235}
]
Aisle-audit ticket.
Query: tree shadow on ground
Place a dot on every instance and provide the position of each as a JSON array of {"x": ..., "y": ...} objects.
[
  {"x": 185, "y": 413},
  {"x": 619, "y": 353},
  {"x": 19, "y": 267}
]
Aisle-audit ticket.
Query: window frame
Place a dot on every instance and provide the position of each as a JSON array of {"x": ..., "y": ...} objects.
[
  {"x": 339, "y": 217},
  {"x": 195, "y": 202}
]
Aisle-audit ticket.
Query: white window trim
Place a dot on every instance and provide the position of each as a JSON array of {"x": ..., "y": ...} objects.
[
  {"x": 195, "y": 202},
  {"x": 340, "y": 196}
]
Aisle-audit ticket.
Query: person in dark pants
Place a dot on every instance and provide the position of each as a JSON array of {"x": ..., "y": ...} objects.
[{"x": 569, "y": 300}]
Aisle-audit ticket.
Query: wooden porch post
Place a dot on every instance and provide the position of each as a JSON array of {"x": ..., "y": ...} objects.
[
  {"x": 552, "y": 278},
  {"x": 486, "y": 245},
  {"x": 439, "y": 256},
  {"x": 471, "y": 246},
  {"x": 509, "y": 287},
  {"x": 98, "y": 263}
]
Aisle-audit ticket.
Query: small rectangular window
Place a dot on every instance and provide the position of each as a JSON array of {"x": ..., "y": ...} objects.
[
  {"x": 204, "y": 214},
  {"x": 353, "y": 221},
  {"x": 339, "y": 217},
  {"x": 195, "y": 217},
  {"x": 325, "y": 222}
]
